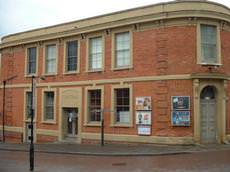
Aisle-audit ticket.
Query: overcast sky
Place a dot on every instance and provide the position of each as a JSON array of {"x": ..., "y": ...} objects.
[{"x": 21, "y": 15}]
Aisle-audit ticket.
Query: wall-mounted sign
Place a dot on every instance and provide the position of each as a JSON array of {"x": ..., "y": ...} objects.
[
  {"x": 180, "y": 118},
  {"x": 144, "y": 130},
  {"x": 143, "y": 117},
  {"x": 180, "y": 103},
  {"x": 143, "y": 103}
]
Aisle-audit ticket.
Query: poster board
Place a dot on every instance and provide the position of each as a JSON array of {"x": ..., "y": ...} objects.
[
  {"x": 143, "y": 103},
  {"x": 180, "y": 118},
  {"x": 144, "y": 130},
  {"x": 180, "y": 103},
  {"x": 143, "y": 117}
]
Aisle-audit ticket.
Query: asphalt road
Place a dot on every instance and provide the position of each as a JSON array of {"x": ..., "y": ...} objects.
[{"x": 215, "y": 161}]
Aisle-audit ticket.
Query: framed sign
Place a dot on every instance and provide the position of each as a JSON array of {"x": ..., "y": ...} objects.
[
  {"x": 143, "y": 117},
  {"x": 143, "y": 103},
  {"x": 144, "y": 130},
  {"x": 180, "y": 103},
  {"x": 181, "y": 118}
]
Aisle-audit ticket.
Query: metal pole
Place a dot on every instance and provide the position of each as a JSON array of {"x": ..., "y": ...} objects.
[
  {"x": 3, "y": 111},
  {"x": 102, "y": 128},
  {"x": 32, "y": 127}
]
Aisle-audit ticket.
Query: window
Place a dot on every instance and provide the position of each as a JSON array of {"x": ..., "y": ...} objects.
[
  {"x": 94, "y": 105},
  {"x": 95, "y": 53},
  {"x": 208, "y": 43},
  {"x": 122, "y": 50},
  {"x": 71, "y": 56},
  {"x": 122, "y": 105},
  {"x": 31, "y": 60},
  {"x": 28, "y": 104},
  {"x": 49, "y": 105},
  {"x": 50, "y": 67}
]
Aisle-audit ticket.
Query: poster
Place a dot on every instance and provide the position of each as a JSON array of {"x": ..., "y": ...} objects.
[
  {"x": 180, "y": 103},
  {"x": 143, "y": 103},
  {"x": 180, "y": 118},
  {"x": 143, "y": 117},
  {"x": 144, "y": 130}
]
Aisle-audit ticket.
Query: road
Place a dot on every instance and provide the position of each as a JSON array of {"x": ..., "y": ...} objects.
[{"x": 215, "y": 161}]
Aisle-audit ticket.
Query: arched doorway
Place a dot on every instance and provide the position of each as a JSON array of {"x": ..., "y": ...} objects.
[{"x": 208, "y": 120}]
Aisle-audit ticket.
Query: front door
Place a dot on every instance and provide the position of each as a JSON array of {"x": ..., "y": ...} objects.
[
  {"x": 208, "y": 115},
  {"x": 71, "y": 123}
]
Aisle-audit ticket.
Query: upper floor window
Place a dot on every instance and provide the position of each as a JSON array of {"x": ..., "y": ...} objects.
[
  {"x": 95, "y": 53},
  {"x": 71, "y": 56},
  {"x": 122, "y": 49},
  {"x": 209, "y": 49},
  {"x": 31, "y": 60},
  {"x": 49, "y": 105},
  {"x": 94, "y": 105},
  {"x": 50, "y": 60}
]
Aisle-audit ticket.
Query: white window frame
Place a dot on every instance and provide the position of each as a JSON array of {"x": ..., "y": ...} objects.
[
  {"x": 114, "y": 56},
  {"x": 87, "y": 121},
  {"x": 27, "y": 60},
  {"x": 113, "y": 103},
  {"x": 65, "y": 71},
  {"x": 200, "y": 59},
  {"x": 44, "y": 120},
  {"x": 92, "y": 36},
  {"x": 45, "y": 59}
]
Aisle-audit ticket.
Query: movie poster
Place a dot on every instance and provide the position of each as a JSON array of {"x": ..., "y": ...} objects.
[
  {"x": 180, "y": 103},
  {"x": 180, "y": 118},
  {"x": 143, "y": 103},
  {"x": 143, "y": 117}
]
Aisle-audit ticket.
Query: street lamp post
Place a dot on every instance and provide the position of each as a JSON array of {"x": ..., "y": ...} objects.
[
  {"x": 3, "y": 105},
  {"x": 102, "y": 128},
  {"x": 31, "y": 126}
]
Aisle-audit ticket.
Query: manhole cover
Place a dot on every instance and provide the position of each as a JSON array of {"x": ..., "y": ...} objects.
[{"x": 119, "y": 164}]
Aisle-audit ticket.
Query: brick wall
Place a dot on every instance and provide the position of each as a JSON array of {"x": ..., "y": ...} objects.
[{"x": 163, "y": 51}]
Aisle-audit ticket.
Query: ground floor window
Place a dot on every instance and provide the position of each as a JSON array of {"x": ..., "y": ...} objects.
[
  {"x": 94, "y": 105},
  {"x": 122, "y": 105},
  {"x": 49, "y": 105}
]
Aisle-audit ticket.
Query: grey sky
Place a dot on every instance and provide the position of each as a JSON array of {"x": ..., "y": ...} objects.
[{"x": 21, "y": 15}]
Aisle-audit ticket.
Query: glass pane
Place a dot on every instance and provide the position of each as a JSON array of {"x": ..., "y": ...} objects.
[
  {"x": 209, "y": 43},
  {"x": 122, "y": 107},
  {"x": 122, "y": 49},
  {"x": 72, "y": 53},
  {"x": 49, "y": 105},
  {"x": 32, "y": 53},
  {"x": 94, "y": 105},
  {"x": 28, "y": 104},
  {"x": 95, "y": 53},
  {"x": 51, "y": 59}
]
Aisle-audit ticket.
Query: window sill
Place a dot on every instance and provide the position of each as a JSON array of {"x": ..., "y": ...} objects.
[
  {"x": 96, "y": 70},
  {"x": 30, "y": 75},
  {"x": 71, "y": 73},
  {"x": 92, "y": 124},
  {"x": 121, "y": 125},
  {"x": 49, "y": 74},
  {"x": 48, "y": 122},
  {"x": 123, "y": 68},
  {"x": 210, "y": 64},
  {"x": 29, "y": 120}
]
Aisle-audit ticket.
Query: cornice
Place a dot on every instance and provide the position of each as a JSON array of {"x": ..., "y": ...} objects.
[{"x": 163, "y": 11}]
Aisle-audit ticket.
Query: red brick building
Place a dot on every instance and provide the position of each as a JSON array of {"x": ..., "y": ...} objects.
[{"x": 158, "y": 74}]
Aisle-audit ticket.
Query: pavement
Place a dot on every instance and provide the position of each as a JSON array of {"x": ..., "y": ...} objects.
[{"x": 114, "y": 149}]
